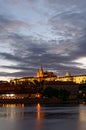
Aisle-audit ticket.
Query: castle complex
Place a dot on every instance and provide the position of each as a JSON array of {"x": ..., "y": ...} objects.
[{"x": 50, "y": 76}]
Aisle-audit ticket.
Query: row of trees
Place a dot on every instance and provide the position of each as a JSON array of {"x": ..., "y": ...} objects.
[{"x": 51, "y": 92}]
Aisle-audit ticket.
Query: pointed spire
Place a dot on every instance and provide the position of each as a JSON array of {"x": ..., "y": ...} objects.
[
  {"x": 41, "y": 67},
  {"x": 40, "y": 72}
]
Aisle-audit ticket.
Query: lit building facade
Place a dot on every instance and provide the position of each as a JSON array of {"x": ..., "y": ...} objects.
[
  {"x": 50, "y": 76},
  {"x": 76, "y": 78}
]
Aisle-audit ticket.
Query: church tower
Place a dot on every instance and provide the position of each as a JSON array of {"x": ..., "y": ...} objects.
[{"x": 40, "y": 73}]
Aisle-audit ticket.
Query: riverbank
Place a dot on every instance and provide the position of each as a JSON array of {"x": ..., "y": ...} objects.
[{"x": 37, "y": 100}]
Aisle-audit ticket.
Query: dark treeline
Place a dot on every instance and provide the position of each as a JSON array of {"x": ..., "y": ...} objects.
[
  {"x": 52, "y": 92},
  {"x": 82, "y": 91}
]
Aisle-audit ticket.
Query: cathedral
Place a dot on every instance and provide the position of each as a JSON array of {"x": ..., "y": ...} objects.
[{"x": 45, "y": 74}]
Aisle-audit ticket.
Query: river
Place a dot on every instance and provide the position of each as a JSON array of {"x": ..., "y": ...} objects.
[{"x": 37, "y": 117}]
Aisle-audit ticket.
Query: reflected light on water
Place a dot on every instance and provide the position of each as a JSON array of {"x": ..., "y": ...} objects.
[
  {"x": 40, "y": 117},
  {"x": 82, "y": 115},
  {"x": 38, "y": 126},
  {"x": 13, "y": 105},
  {"x": 38, "y": 111},
  {"x": 11, "y": 110}
]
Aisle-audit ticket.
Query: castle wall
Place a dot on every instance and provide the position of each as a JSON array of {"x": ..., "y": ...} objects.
[{"x": 77, "y": 79}]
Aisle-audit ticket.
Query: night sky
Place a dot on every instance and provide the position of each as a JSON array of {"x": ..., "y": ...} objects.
[{"x": 51, "y": 33}]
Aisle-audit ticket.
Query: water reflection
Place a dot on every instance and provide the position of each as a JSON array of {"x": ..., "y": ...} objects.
[
  {"x": 13, "y": 105},
  {"x": 82, "y": 113},
  {"x": 38, "y": 111},
  {"x": 38, "y": 121},
  {"x": 11, "y": 110},
  {"x": 40, "y": 117},
  {"x": 37, "y": 117}
]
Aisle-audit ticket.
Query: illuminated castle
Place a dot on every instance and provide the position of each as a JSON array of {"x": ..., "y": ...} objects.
[
  {"x": 50, "y": 76},
  {"x": 75, "y": 78}
]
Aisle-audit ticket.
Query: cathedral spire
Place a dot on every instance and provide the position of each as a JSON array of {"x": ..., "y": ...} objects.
[{"x": 40, "y": 72}]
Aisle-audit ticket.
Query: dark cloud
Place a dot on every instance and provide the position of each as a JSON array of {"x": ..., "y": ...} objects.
[
  {"x": 30, "y": 53},
  {"x": 17, "y": 74},
  {"x": 68, "y": 24}
]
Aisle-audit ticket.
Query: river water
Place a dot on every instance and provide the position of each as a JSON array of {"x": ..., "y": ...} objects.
[{"x": 37, "y": 117}]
